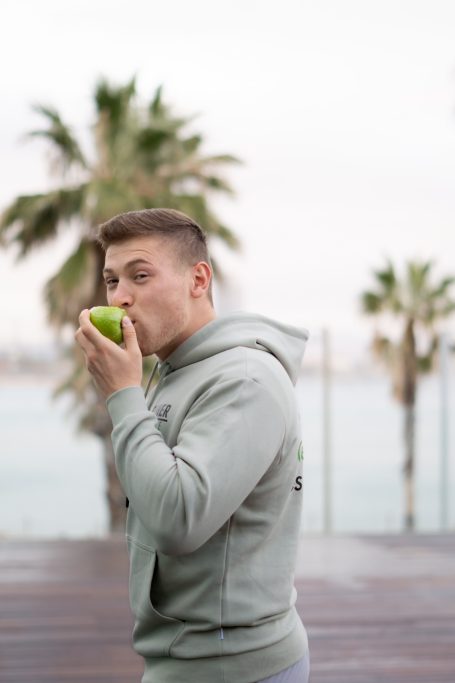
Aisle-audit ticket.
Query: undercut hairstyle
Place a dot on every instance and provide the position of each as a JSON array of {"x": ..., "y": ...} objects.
[{"x": 187, "y": 237}]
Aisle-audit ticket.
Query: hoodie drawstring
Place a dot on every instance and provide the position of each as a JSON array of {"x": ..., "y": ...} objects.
[{"x": 150, "y": 379}]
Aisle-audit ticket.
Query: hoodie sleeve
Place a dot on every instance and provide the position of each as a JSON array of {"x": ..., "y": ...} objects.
[{"x": 228, "y": 440}]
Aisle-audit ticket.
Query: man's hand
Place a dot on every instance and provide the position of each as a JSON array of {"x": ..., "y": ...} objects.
[{"x": 112, "y": 367}]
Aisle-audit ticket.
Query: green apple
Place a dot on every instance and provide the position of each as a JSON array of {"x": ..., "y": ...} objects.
[{"x": 107, "y": 319}]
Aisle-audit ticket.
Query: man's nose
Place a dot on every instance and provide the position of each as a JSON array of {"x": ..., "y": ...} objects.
[{"x": 122, "y": 296}]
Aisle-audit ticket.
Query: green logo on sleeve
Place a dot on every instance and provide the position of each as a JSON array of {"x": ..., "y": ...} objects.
[{"x": 300, "y": 452}]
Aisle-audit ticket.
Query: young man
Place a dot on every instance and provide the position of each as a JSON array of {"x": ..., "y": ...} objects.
[{"x": 210, "y": 462}]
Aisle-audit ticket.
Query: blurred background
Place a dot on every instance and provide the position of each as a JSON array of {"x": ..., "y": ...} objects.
[{"x": 315, "y": 141}]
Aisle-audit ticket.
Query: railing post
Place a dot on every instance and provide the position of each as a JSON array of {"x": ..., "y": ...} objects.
[
  {"x": 326, "y": 436},
  {"x": 444, "y": 441}
]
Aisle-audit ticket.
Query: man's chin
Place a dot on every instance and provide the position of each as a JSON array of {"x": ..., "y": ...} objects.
[{"x": 146, "y": 351}]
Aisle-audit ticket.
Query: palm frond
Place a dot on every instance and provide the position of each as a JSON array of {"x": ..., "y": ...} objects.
[
  {"x": 71, "y": 288},
  {"x": 114, "y": 101},
  {"x": 426, "y": 361},
  {"x": 115, "y": 126},
  {"x": 420, "y": 305},
  {"x": 442, "y": 288},
  {"x": 60, "y": 135},
  {"x": 32, "y": 220},
  {"x": 226, "y": 235},
  {"x": 215, "y": 183},
  {"x": 151, "y": 138},
  {"x": 221, "y": 159},
  {"x": 388, "y": 290},
  {"x": 159, "y": 113},
  {"x": 417, "y": 276},
  {"x": 156, "y": 107},
  {"x": 371, "y": 303},
  {"x": 191, "y": 144},
  {"x": 196, "y": 206},
  {"x": 387, "y": 278}
]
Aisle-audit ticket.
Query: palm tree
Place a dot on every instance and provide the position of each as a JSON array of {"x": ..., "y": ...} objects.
[
  {"x": 141, "y": 157},
  {"x": 417, "y": 305}
]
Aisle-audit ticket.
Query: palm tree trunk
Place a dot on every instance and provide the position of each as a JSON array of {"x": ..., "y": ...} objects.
[
  {"x": 408, "y": 468},
  {"x": 99, "y": 423},
  {"x": 409, "y": 390}
]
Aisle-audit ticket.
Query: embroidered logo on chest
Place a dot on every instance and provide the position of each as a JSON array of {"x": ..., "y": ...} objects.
[{"x": 161, "y": 411}]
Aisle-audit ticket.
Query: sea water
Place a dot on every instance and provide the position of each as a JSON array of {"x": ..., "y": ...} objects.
[
  {"x": 366, "y": 454},
  {"x": 52, "y": 480},
  {"x": 52, "y": 477}
]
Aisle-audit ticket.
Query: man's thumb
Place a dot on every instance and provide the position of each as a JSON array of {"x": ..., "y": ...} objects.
[{"x": 129, "y": 333}]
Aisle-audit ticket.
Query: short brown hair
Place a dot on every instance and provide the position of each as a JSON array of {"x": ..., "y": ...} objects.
[{"x": 188, "y": 237}]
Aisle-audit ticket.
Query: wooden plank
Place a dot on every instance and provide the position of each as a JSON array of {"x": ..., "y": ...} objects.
[
  {"x": 382, "y": 624},
  {"x": 64, "y": 613}
]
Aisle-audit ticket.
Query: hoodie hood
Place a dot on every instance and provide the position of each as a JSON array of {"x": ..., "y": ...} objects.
[{"x": 285, "y": 342}]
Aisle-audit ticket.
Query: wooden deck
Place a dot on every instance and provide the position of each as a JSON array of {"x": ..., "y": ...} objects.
[{"x": 378, "y": 609}]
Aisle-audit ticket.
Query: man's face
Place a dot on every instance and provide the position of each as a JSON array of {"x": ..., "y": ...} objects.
[{"x": 144, "y": 277}]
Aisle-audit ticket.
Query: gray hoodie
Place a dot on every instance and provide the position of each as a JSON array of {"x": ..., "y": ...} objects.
[{"x": 212, "y": 466}]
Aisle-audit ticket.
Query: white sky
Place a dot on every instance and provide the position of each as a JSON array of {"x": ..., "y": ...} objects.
[{"x": 342, "y": 110}]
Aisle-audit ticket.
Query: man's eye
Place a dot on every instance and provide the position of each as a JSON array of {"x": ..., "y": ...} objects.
[
  {"x": 111, "y": 282},
  {"x": 140, "y": 276}
]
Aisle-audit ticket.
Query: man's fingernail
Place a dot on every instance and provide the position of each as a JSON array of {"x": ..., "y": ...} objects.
[{"x": 126, "y": 322}]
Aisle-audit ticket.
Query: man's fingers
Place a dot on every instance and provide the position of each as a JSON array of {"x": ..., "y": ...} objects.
[
  {"x": 85, "y": 344},
  {"x": 91, "y": 332},
  {"x": 84, "y": 316},
  {"x": 88, "y": 337}
]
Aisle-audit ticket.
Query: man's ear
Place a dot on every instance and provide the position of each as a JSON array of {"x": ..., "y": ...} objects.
[{"x": 202, "y": 275}]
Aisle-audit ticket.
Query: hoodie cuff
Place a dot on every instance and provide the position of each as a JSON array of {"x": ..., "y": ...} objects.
[{"x": 126, "y": 402}]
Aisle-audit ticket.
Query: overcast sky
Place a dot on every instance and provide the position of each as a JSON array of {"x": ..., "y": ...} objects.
[{"x": 343, "y": 112}]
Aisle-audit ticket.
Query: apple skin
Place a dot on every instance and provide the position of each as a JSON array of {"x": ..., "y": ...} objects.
[{"x": 107, "y": 319}]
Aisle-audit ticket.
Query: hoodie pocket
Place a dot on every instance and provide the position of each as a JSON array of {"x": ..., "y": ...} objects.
[{"x": 154, "y": 633}]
